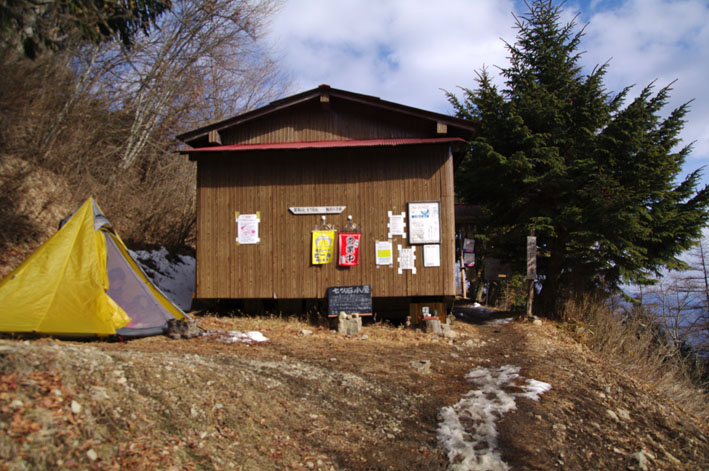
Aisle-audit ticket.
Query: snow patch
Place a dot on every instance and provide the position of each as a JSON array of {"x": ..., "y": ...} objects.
[
  {"x": 534, "y": 389},
  {"x": 232, "y": 336},
  {"x": 468, "y": 432},
  {"x": 503, "y": 321},
  {"x": 175, "y": 279}
]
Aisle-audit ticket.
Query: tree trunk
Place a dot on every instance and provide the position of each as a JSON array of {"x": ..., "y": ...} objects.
[{"x": 705, "y": 272}]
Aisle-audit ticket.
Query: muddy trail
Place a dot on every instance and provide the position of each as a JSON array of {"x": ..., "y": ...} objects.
[{"x": 309, "y": 398}]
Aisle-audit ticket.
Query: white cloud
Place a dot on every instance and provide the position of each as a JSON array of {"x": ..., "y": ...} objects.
[
  {"x": 408, "y": 50},
  {"x": 661, "y": 41},
  {"x": 403, "y": 51}
]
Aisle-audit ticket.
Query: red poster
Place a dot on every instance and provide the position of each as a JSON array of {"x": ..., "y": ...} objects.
[{"x": 349, "y": 249}]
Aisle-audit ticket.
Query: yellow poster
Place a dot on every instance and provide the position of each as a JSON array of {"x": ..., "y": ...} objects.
[{"x": 323, "y": 246}]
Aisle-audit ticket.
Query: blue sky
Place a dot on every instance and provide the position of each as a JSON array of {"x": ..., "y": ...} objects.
[{"x": 407, "y": 51}]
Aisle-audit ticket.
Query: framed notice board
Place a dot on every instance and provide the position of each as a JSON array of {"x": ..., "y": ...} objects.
[
  {"x": 425, "y": 222},
  {"x": 349, "y": 299}
]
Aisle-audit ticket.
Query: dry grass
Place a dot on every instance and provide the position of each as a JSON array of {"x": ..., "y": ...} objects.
[
  {"x": 63, "y": 146},
  {"x": 154, "y": 403},
  {"x": 630, "y": 341},
  {"x": 318, "y": 400}
]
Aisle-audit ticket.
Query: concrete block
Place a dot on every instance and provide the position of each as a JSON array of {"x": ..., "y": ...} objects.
[
  {"x": 433, "y": 325},
  {"x": 349, "y": 325}
]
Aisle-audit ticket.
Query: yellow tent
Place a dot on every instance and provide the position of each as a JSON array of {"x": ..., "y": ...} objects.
[{"x": 83, "y": 281}]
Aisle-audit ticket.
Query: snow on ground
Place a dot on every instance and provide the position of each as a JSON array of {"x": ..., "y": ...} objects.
[
  {"x": 468, "y": 432},
  {"x": 501, "y": 321},
  {"x": 175, "y": 279},
  {"x": 231, "y": 336}
]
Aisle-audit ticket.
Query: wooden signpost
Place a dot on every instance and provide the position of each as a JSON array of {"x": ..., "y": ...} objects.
[{"x": 531, "y": 270}]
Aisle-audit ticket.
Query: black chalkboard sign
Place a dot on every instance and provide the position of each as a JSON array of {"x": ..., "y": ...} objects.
[{"x": 349, "y": 299}]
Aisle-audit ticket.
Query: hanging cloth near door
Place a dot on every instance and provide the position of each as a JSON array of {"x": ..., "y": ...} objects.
[
  {"x": 349, "y": 249},
  {"x": 323, "y": 247}
]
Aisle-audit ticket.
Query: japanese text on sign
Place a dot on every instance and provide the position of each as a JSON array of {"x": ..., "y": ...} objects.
[
  {"x": 349, "y": 248},
  {"x": 323, "y": 247},
  {"x": 363, "y": 289},
  {"x": 316, "y": 209},
  {"x": 531, "y": 258},
  {"x": 406, "y": 259},
  {"x": 397, "y": 224},
  {"x": 349, "y": 299},
  {"x": 383, "y": 254},
  {"x": 247, "y": 229},
  {"x": 432, "y": 255},
  {"x": 424, "y": 223}
]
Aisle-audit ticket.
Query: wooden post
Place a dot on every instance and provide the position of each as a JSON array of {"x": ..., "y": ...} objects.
[
  {"x": 531, "y": 270},
  {"x": 530, "y": 297},
  {"x": 503, "y": 276},
  {"x": 215, "y": 138},
  {"x": 464, "y": 291}
]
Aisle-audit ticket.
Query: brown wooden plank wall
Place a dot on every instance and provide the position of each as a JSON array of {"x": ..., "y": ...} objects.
[
  {"x": 315, "y": 123},
  {"x": 368, "y": 181}
]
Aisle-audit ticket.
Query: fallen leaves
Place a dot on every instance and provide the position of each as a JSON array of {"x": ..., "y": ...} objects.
[{"x": 279, "y": 405}]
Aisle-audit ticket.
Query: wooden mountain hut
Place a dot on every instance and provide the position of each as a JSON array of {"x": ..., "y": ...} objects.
[{"x": 272, "y": 183}]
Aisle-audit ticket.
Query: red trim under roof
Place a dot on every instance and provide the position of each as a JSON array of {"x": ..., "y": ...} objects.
[{"x": 326, "y": 144}]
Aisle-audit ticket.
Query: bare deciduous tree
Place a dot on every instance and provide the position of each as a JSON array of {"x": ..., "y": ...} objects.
[
  {"x": 205, "y": 63},
  {"x": 102, "y": 118},
  {"x": 680, "y": 300}
]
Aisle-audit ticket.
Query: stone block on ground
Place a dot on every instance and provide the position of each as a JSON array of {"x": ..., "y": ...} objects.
[
  {"x": 349, "y": 325},
  {"x": 422, "y": 366},
  {"x": 182, "y": 328},
  {"x": 432, "y": 325}
]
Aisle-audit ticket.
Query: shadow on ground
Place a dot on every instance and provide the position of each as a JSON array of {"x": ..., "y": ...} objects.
[{"x": 475, "y": 313}]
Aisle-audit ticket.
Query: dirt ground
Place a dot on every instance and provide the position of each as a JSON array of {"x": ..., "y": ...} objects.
[{"x": 309, "y": 398}]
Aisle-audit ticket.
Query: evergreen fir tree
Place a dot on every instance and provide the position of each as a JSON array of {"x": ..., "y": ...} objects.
[
  {"x": 50, "y": 25},
  {"x": 596, "y": 179}
]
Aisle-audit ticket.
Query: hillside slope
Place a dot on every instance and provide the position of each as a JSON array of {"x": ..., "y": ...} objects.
[
  {"x": 32, "y": 203},
  {"x": 322, "y": 401}
]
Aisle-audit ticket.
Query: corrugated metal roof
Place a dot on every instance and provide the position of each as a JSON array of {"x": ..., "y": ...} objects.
[{"x": 326, "y": 144}]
